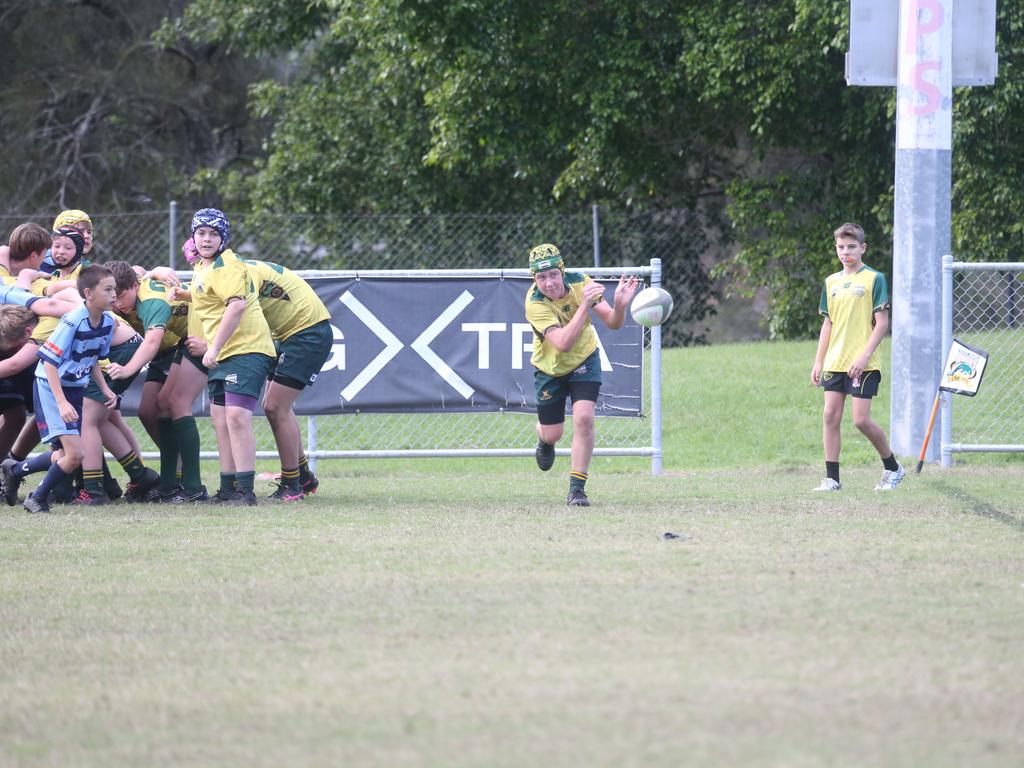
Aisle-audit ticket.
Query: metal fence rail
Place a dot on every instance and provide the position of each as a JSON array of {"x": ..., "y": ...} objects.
[
  {"x": 458, "y": 435},
  {"x": 983, "y": 306}
]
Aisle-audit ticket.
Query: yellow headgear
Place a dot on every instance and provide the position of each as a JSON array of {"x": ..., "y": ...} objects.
[
  {"x": 545, "y": 257},
  {"x": 70, "y": 218}
]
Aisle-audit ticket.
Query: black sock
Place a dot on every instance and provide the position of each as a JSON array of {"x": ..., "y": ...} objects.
[
  {"x": 890, "y": 463},
  {"x": 832, "y": 470},
  {"x": 54, "y": 476},
  {"x": 40, "y": 463}
]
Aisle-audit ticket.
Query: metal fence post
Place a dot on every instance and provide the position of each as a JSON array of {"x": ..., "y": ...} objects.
[
  {"x": 172, "y": 226},
  {"x": 656, "y": 380},
  {"x": 596, "y": 217},
  {"x": 311, "y": 443},
  {"x": 946, "y": 402}
]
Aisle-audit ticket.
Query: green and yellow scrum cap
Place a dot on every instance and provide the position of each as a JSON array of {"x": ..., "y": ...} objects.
[{"x": 545, "y": 257}]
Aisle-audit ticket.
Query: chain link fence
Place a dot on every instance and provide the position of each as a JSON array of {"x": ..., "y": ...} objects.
[
  {"x": 986, "y": 303},
  {"x": 436, "y": 241}
]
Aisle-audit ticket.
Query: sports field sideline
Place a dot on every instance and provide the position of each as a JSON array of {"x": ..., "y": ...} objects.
[{"x": 442, "y": 613}]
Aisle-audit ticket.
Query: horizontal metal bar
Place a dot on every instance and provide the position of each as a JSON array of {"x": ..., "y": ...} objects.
[
  {"x": 983, "y": 448},
  {"x": 456, "y": 273},
  {"x": 431, "y": 453},
  {"x": 991, "y": 266}
]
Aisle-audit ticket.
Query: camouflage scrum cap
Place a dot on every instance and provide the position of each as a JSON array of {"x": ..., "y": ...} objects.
[{"x": 545, "y": 257}]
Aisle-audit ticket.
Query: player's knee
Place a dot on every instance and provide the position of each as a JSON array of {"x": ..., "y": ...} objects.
[
  {"x": 551, "y": 433},
  {"x": 275, "y": 410},
  {"x": 583, "y": 424},
  {"x": 863, "y": 423},
  {"x": 73, "y": 456}
]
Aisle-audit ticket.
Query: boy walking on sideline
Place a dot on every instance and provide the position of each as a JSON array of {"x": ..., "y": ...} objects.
[
  {"x": 855, "y": 307},
  {"x": 566, "y": 358},
  {"x": 67, "y": 361}
]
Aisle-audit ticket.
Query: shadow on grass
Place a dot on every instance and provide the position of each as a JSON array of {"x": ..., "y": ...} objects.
[{"x": 979, "y": 507}]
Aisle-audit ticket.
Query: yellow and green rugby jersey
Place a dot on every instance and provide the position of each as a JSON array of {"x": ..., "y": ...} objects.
[
  {"x": 850, "y": 302},
  {"x": 543, "y": 313},
  {"x": 46, "y": 325},
  {"x": 154, "y": 309},
  {"x": 289, "y": 303},
  {"x": 224, "y": 278}
]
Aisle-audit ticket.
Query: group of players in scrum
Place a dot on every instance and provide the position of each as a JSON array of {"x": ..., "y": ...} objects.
[{"x": 74, "y": 335}]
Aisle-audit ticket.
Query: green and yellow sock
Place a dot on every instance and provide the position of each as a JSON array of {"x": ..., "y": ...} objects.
[
  {"x": 246, "y": 481},
  {"x": 290, "y": 478},
  {"x": 93, "y": 480},
  {"x": 304, "y": 473},
  {"x": 132, "y": 465},
  {"x": 577, "y": 480},
  {"x": 227, "y": 483}
]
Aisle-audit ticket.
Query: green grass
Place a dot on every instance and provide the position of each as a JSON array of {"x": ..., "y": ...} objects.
[{"x": 457, "y": 614}]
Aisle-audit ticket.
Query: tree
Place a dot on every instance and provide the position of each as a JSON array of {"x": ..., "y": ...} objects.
[{"x": 97, "y": 116}]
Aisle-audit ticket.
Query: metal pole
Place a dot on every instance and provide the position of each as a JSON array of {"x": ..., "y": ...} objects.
[
  {"x": 946, "y": 401},
  {"x": 311, "y": 443},
  {"x": 596, "y": 216},
  {"x": 172, "y": 228},
  {"x": 921, "y": 217},
  {"x": 656, "y": 380}
]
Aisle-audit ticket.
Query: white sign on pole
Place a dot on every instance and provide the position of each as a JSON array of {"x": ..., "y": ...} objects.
[
  {"x": 874, "y": 30},
  {"x": 924, "y": 92}
]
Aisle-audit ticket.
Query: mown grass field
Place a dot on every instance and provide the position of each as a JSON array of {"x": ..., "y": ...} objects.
[{"x": 457, "y": 614}]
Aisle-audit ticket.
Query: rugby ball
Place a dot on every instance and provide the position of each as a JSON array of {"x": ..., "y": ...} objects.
[{"x": 651, "y": 307}]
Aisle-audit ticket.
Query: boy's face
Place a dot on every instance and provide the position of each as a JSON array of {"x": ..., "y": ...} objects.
[
  {"x": 102, "y": 297},
  {"x": 126, "y": 300},
  {"x": 550, "y": 283},
  {"x": 207, "y": 241},
  {"x": 32, "y": 261},
  {"x": 62, "y": 251},
  {"x": 849, "y": 251},
  {"x": 85, "y": 229}
]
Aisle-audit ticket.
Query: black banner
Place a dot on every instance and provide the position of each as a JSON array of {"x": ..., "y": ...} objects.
[{"x": 432, "y": 344}]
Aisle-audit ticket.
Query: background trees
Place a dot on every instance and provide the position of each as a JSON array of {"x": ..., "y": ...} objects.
[{"x": 734, "y": 116}]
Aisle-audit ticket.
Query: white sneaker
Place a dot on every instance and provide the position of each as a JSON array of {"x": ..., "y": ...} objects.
[
  {"x": 828, "y": 484},
  {"x": 891, "y": 478}
]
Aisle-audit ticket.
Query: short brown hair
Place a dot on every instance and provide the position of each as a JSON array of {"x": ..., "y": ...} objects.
[
  {"x": 27, "y": 239},
  {"x": 13, "y": 322},
  {"x": 850, "y": 230},
  {"x": 91, "y": 276},
  {"x": 125, "y": 277}
]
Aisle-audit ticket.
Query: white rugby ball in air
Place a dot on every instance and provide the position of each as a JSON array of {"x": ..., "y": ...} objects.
[{"x": 651, "y": 307}]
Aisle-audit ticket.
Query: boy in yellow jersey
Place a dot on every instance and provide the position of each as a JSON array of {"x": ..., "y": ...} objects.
[
  {"x": 300, "y": 325},
  {"x": 239, "y": 354},
  {"x": 186, "y": 380},
  {"x": 566, "y": 358},
  {"x": 855, "y": 307}
]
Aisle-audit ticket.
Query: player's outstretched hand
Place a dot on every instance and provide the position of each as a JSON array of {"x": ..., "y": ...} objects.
[
  {"x": 210, "y": 358},
  {"x": 164, "y": 275},
  {"x": 626, "y": 289}
]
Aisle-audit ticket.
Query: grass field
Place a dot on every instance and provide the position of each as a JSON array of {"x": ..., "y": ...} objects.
[{"x": 457, "y": 614}]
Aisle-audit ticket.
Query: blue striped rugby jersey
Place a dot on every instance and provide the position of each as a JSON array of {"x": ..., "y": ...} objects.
[
  {"x": 11, "y": 294},
  {"x": 75, "y": 346}
]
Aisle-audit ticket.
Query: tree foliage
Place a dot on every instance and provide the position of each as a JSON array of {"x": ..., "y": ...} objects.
[
  {"x": 736, "y": 114},
  {"x": 97, "y": 116}
]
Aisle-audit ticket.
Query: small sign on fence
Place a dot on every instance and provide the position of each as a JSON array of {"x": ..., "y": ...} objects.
[
  {"x": 961, "y": 375},
  {"x": 964, "y": 368}
]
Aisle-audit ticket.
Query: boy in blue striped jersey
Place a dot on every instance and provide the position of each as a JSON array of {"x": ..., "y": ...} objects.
[{"x": 68, "y": 359}]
